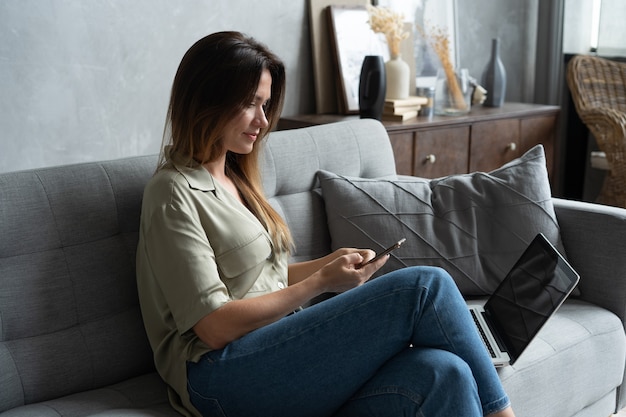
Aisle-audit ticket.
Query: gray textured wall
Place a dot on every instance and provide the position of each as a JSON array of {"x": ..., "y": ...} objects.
[
  {"x": 514, "y": 22},
  {"x": 89, "y": 80}
]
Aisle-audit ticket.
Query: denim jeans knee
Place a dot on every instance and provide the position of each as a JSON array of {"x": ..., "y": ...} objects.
[{"x": 420, "y": 382}]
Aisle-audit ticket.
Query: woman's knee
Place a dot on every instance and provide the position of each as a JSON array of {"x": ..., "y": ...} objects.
[
  {"x": 453, "y": 388},
  {"x": 422, "y": 381},
  {"x": 444, "y": 369}
]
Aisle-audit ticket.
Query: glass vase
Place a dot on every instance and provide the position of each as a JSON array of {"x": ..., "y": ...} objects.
[{"x": 453, "y": 92}]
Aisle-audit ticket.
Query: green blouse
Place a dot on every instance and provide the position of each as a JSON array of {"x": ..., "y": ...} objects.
[{"x": 199, "y": 248}]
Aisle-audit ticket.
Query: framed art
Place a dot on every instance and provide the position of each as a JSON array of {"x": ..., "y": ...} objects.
[
  {"x": 326, "y": 97},
  {"x": 352, "y": 39}
]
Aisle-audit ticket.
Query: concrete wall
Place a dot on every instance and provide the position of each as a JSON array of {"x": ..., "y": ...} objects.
[
  {"x": 514, "y": 22},
  {"x": 84, "y": 80},
  {"x": 90, "y": 80}
]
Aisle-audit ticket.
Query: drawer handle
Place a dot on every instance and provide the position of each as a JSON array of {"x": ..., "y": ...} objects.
[
  {"x": 511, "y": 146},
  {"x": 431, "y": 158}
]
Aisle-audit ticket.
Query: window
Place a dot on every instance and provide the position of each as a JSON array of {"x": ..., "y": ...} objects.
[{"x": 595, "y": 26}]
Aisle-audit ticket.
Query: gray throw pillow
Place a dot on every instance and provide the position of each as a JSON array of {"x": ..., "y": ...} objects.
[{"x": 473, "y": 225}]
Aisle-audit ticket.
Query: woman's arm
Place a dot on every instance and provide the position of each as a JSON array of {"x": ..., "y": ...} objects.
[{"x": 239, "y": 317}]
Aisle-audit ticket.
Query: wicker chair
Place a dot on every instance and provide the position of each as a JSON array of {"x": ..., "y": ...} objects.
[{"x": 598, "y": 88}]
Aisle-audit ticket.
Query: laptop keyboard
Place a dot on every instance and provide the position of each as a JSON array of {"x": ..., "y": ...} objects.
[{"x": 482, "y": 334}]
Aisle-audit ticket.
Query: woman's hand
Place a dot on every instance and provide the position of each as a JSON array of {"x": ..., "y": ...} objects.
[{"x": 344, "y": 273}]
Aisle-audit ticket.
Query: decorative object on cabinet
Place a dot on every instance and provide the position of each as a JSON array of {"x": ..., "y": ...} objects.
[
  {"x": 429, "y": 94},
  {"x": 398, "y": 77},
  {"x": 403, "y": 108},
  {"x": 372, "y": 87},
  {"x": 453, "y": 92},
  {"x": 598, "y": 88},
  {"x": 494, "y": 77},
  {"x": 391, "y": 24}
]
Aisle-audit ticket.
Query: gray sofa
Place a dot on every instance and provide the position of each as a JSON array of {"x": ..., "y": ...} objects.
[{"x": 71, "y": 336}]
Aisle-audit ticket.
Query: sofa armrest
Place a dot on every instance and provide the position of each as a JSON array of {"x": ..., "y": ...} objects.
[{"x": 594, "y": 238}]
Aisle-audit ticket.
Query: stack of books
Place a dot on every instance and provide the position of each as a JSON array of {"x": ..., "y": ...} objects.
[{"x": 403, "y": 108}]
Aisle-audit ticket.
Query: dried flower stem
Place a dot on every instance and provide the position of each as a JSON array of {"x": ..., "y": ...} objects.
[
  {"x": 383, "y": 20},
  {"x": 439, "y": 41}
]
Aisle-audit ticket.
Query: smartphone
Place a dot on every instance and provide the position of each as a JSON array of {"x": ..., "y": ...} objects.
[{"x": 383, "y": 253}]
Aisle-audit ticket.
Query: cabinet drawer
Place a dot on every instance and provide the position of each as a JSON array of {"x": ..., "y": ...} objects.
[
  {"x": 441, "y": 152},
  {"x": 494, "y": 144}
]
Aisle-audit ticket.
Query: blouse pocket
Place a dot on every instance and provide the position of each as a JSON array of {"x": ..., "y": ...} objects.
[{"x": 242, "y": 266}]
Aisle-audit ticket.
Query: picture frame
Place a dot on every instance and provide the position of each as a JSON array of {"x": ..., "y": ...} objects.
[
  {"x": 352, "y": 39},
  {"x": 325, "y": 83}
]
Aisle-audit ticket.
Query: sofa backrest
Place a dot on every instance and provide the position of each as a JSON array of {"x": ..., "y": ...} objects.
[{"x": 69, "y": 313}]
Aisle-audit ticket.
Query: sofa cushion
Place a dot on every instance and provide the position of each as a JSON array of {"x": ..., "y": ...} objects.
[
  {"x": 579, "y": 350},
  {"x": 475, "y": 225},
  {"x": 141, "y": 396}
]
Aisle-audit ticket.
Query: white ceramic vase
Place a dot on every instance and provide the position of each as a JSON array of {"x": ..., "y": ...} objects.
[{"x": 397, "y": 78}]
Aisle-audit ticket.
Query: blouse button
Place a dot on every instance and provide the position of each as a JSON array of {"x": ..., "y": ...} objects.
[{"x": 281, "y": 285}]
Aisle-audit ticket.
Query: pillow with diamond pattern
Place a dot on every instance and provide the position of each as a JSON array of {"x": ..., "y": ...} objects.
[{"x": 473, "y": 225}]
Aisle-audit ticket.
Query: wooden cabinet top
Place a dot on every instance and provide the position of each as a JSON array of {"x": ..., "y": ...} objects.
[{"x": 477, "y": 114}]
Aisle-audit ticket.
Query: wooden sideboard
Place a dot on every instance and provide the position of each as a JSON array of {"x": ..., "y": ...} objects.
[{"x": 482, "y": 140}]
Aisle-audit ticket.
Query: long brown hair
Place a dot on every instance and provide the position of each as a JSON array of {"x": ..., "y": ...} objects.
[{"x": 216, "y": 80}]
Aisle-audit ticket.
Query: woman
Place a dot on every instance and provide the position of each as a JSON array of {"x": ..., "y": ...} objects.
[{"x": 218, "y": 296}]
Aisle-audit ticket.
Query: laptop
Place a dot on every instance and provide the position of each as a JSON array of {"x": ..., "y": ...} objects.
[{"x": 532, "y": 291}]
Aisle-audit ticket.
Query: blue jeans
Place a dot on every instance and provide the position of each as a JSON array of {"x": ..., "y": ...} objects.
[{"x": 401, "y": 344}]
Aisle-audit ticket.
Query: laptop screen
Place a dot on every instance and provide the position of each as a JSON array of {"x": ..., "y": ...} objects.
[{"x": 532, "y": 291}]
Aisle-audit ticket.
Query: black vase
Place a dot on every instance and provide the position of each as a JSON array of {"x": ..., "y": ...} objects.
[
  {"x": 494, "y": 77},
  {"x": 372, "y": 87}
]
